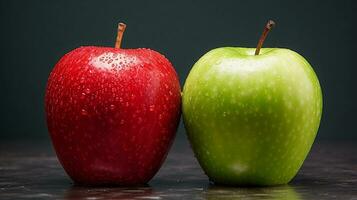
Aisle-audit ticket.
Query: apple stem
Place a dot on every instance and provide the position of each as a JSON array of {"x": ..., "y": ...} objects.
[
  {"x": 266, "y": 30},
  {"x": 121, "y": 29}
]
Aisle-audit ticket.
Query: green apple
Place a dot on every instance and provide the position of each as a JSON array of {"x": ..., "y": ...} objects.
[{"x": 251, "y": 115}]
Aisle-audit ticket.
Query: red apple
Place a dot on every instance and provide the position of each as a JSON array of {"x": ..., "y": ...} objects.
[{"x": 112, "y": 113}]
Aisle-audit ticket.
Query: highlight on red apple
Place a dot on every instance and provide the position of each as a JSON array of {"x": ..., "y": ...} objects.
[{"x": 112, "y": 113}]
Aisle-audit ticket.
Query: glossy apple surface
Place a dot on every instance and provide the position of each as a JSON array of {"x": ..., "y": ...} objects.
[
  {"x": 112, "y": 113},
  {"x": 251, "y": 119}
]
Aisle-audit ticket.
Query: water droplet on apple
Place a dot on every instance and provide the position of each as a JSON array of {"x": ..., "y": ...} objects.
[
  {"x": 112, "y": 107},
  {"x": 140, "y": 120},
  {"x": 82, "y": 80},
  {"x": 84, "y": 112},
  {"x": 87, "y": 91},
  {"x": 151, "y": 108},
  {"x": 83, "y": 96}
]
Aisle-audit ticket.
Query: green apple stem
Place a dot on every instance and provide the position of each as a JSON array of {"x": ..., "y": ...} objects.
[
  {"x": 121, "y": 29},
  {"x": 266, "y": 30}
]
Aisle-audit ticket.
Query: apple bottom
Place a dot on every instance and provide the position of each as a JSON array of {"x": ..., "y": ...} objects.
[
  {"x": 113, "y": 160},
  {"x": 247, "y": 181}
]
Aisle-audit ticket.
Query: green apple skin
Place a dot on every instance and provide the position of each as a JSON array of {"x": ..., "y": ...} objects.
[{"x": 251, "y": 119}]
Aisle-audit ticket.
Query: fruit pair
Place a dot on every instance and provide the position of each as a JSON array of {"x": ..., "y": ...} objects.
[{"x": 251, "y": 117}]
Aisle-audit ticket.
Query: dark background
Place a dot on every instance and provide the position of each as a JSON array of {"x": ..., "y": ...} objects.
[{"x": 35, "y": 34}]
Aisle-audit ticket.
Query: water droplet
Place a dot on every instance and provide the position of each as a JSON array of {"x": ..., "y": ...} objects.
[
  {"x": 87, "y": 91},
  {"x": 84, "y": 112},
  {"x": 122, "y": 121},
  {"x": 112, "y": 107},
  {"x": 152, "y": 108},
  {"x": 82, "y": 80},
  {"x": 83, "y": 95}
]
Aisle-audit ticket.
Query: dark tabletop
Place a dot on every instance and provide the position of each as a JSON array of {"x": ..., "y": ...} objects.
[{"x": 30, "y": 170}]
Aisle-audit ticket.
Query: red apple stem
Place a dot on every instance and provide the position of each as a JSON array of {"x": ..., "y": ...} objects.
[
  {"x": 266, "y": 30},
  {"x": 121, "y": 29}
]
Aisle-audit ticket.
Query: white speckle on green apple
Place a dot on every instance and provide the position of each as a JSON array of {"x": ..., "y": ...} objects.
[{"x": 251, "y": 114}]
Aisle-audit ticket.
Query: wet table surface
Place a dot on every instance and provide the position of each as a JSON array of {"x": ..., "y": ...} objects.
[{"x": 30, "y": 170}]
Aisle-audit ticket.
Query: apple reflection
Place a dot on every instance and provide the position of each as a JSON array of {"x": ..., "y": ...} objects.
[
  {"x": 267, "y": 193},
  {"x": 79, "y": 192}
]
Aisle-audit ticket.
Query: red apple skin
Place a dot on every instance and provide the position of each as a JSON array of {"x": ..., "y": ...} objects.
[{"x": 112, "y": 113}]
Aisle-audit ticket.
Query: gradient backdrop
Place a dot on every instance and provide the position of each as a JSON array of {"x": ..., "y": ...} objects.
[{"x": 35, "y": 34}]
